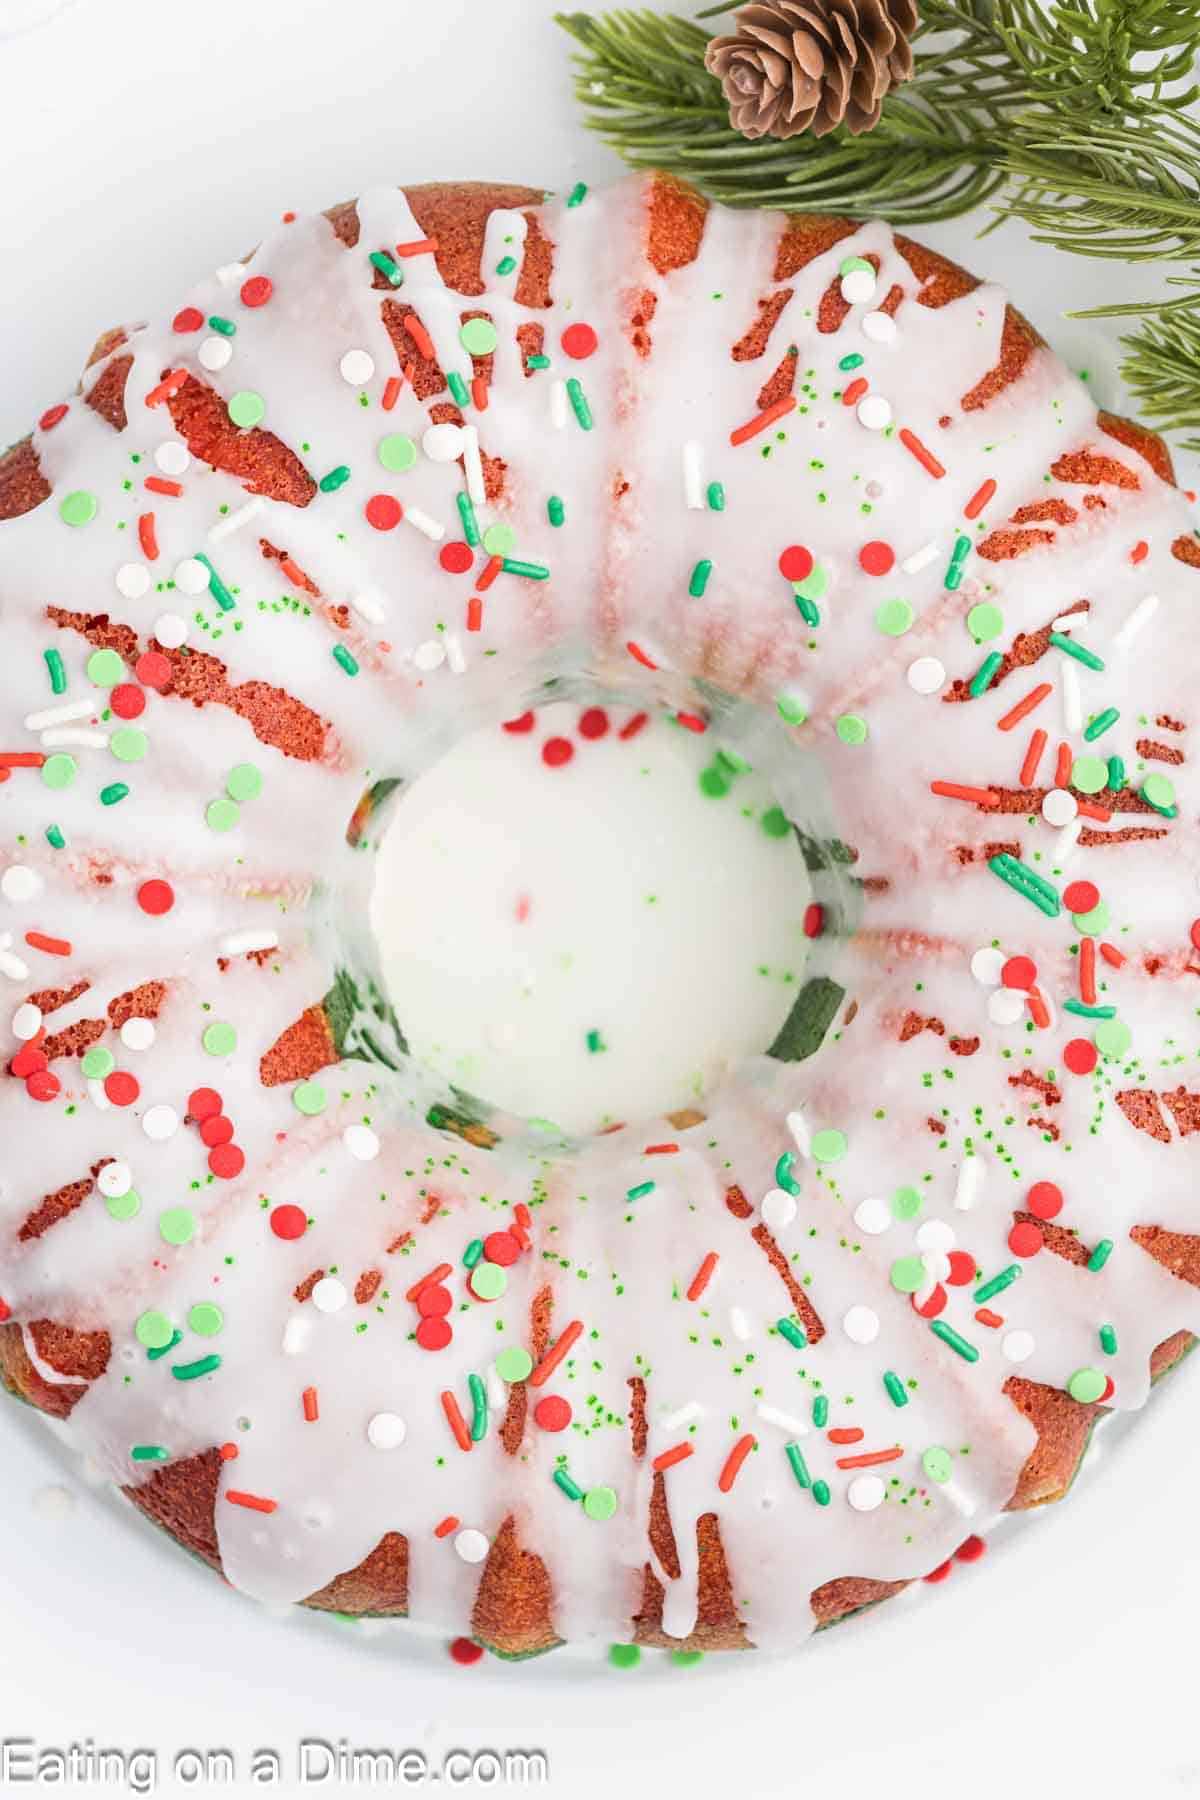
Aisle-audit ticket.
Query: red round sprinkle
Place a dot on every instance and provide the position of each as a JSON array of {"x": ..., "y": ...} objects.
[
  {"x": 288, "y": 1221},
  {"x": 455, "y": 557},
  {"x": 593, "y": 723},
  {"x": 524, "y": 723},
  {"x": 44, "y": 1085},
  {"x": 465, "y": 1652},
  {"x": 962, "y": 1268},
  {"x": 29, "y": 1060},
  {"x": 814, "y": 919},
  {"x": 1195, "y": 934},
  {"x": 52, "y": 416},
  {"x": 156, "y": 898},
  {"x": 1019, "y": 972},
  {"x": 795, "y": 563},
  {"x": 501, "y": 1247},
  {"x": 552, "y": 1413},
  {"x": 189, "y": 319},
  {"x": 1080, "y": 1056},
  {"x": 936, "y": 1303},
  {"x": 226, "y": 1161},
  {"x": 940, "y": 1573},
  {"x": 127, "y": 701},
  {"x": 384, "y": 512},
  {"x": 434, "y": 1334},
  {"x": 435, "y": 1301},
  {"x": 216, "y": 1130},
  {"x": 971, "y": 1549},
  {"x": 121, "y": 1087},
  {"x": 1081, "y": 896},
  {"x": 1109, "y": 1390},
  {"x": 557, "y": 751},
  {"x": 203, "y": 1103},
  {"x": 877, "y": 558},
  {"x": 153, "y": 669},
  {"x": 579, "y": 341},
  {"x": 1044, "y": 1200},
  {"x": 1025, "y": 1238},
  {"x": 257, "y": 291}
]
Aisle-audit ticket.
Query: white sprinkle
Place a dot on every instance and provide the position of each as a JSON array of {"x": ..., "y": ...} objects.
[
  {"x": 471, "y": 1545},
  {"x": 1066, "y": 841},
  {"x": 874, "y": 412},
  {"x": 972, "y": 1179},
  {"x": 797, "y": 1124},
  {"x": 880, "y": 327},
  {"x": 73, "y": 737},
  {"x": 241, "y": 943},
  {"x": 497, "y": 1390},
  {"x": 19, "y": 883},
  {"x": 98, "y": 1097},
  {"x": 1067, "y": 621},
  {"x": 689, "y": 1414},
  {"x": 10, "y": 963},
  {"x": 1072, "y": 705},
  {"x": 473, "y": 465},
  {"x": 235, "y": 520},
  {"x": 190, "y": 576},
  {"x": 114, "y": 1180},
  {"x": 859, "y": 285},
  {"x": 771, "y": 1415},
  {"x": 739, "y": 1324},
  {"x": 1005, "y": 1006},
  {"x": 865, "y": 1493},
  {"x": 958, "y": 1497},
  {"x": 297, "y": 1334},
  {"x": 132, "y": 580},
  {"x": 861, "y": 1325},
  {"x": 778, "y": 1209},
  {"x": 558, "y": 405},
  {"x": 935, "y": 1235},
  {"x": 937, "y": 1267},
  {"x": 60, "y": 715},
  {"x": 26, "y": 1021},
  {"x": 214, "y": 353},
  {"x": 425, "y": 523},
  {"x": 1141, "y": 616},
  {"x": 173, "y": 457},
  {"x": 386, "y": 1431},
  {"x": 429, "y": 655},
  {"x": 171, "y": 630},
  {"x": 361, "y": 1142},
  {"x": 357, "y": 367},
  {"x": 456, "y": 660},
  {"x": 1059, "y": 807},
  {"x": 369, "y": 607},
  {"x": 920, "y": 559},
  {"x": 693, "y": 486},
  {"x": 228, "y": 273},
  {"x": 443, "y": 443},
  {"x": 926, "y": 675},
  {"x": 987, "y": 966},
  {"x": 329, "y": 1295},
  {"x": 138, "y": 1034},
  {"x": 873, "y": 1215},
  {"x": 1018, "y": 1346},
  {"x": 160, "y": 1123}
]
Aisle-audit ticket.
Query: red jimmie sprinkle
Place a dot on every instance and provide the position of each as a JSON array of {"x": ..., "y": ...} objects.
[
  {"x": 993, "y": 1320},
  {"x": 1140, "y": 551},
  {"x": 854, "y": 390},
  {"x": 170, "y": 384},
  {"x": 545, "y": 1369},
  {"x": 703, "y": 1276},
  {"x": 632, "y": 726},
  {"x": 434, "y": 1275},
  {"x": 734, "y": 1461},
  {"x": 420, "y": 336},
  {"x": 661, "y": 1150},
  {"x": 189, "y": 318},
  {"x": 455, "y": 1420},
  {"x": 979, "y": 499},
  {"x": 156, "y": 484},
  {"x": 846, "y": 1434},
  {"x": 1033, "y": 757},
  {"x": 691, "y": 722},
  {"x": 925, "y": 457},
  {"x": 762, "y": 420},
  {"x": 418, "y": 247},
  {"x": 308, "y": 1401},
  {"x": 37, "y": 940},
  {"x": 391, "y": 392},
  {"x": 255, "y": 1502},
  {"x": 146, "y": 537},
  {"x": 448, "y": 1524},
  {"x": 491, "y": 569},
  {"x": 870, "y": 1458},
  {"x": 523, "y": 723},
  {"x": 669, "y": 1458},
  {"x": 52, "y": 416},
  {"x": 21, "y": 759},
  {"x": 1024, "y": 707},
  {"x": 474, "y": 613},
  {"x": 257, "y": 291},
  {"x": 479, "y": 393}
]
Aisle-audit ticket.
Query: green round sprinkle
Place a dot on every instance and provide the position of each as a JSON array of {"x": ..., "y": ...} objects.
[
  {"x": 221, "y": 815},
  {"x": 1112, "y": 1037},
  {"x": 244, "y": 782},
  {"x": 499, "y": 540},
  {"x": 478, "y": 337},
  {"x": 153, "y": 1330},
  {"x": 98, "y": 1062},
  {"x": 624, "y": 1656},
  {"x": 600, "y": 1503},
  {"x": 514, "y": 1364},
  {"x": 852, "y": 729},
  {"x": 848, "y": 265},
  {"x": 309, "y": 1097},
  {"x": 1095, "y": 922},
  {"x": 205, "y": 1319},
  {"x": 894, "y": 618},
  {"x": 129, "y": 745},
  {"x": 908, "y": 1274},
  {"x": 123, "y": 1206},
  {"x": 985, "y": 622},
  {"x": 488, "y": 1281},
  {"x": 714, "y": 781},
  {"x": 906, "y": 1203},
  {"x": 246, "y": 408},
  {"x": 1089, "y": 774},
  {"x": 79, "y": 508},
  {"x": 937, "y": 1463},
  {"x": 105, "y": 668},
  {"x": 177, "y": 1225},
  {"x": 1158, "y": 791},
  {"x": 219, "y": 1038},
  {"x": 829, "y": 1146},
  {"x": 790, "y": 709},
  {"x": 397, "y": 452},
  {"x": 1086, "y": 1385},
  {"x": 815, "y": 584},
  {"x": 686, "y": 1659},
  {"x": 775, "y": 822}
]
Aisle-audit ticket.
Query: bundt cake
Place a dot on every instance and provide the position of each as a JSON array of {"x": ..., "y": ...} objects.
[{"x": 353, "y": 1336}]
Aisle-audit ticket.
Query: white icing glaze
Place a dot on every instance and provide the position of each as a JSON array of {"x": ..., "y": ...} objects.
[{"x": 619, "y": 573}]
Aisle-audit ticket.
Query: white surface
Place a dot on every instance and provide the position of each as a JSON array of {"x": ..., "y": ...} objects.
[{"x": 143, "y": 142}]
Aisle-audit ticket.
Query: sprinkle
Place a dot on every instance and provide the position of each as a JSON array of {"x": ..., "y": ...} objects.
[
  {"x": 1026, "y": 882},
  {"x": 206, "y": 1365},
  {"x": 703, "y": 1276},
  {"x": 466, "y": 513},
  {"x": 799, "y": 1467},
  {"x": 457, "y": 1423},
  {"x": 1024, "y": 707},
  {"x": 870, "y": 1458},
  {"x": 52, "y": 946},
  {"x": 579, "y": 403},
  {"x": 570, "y": 1488},
  {"x": 699, "y": 578},
  {"x": 716, "y": 496},
  {"x": 170, "y": 384},
  {"x": 1080, "y": 652},
  {"x": 308, "y": 1402},
  {"x": 640, "y": 1191},
  {"x": 555, "y": 510},
  {"x": 380, "y": 260},
  {"x": 156, "y": 485},
  {"x": 854, "y": 390},
  {"x": 734, "y": 1461},
  {"x": 1141, "y": 615},
  {"x": 577, "y": 194},
  {"x": 948, "y": 1335},
  {"x": 795, "y": 1335},
  {"x": 979, "y": 499},
  {"x": 951, "y": 790},
  {"x": 1103, "y": 721},
  {"x": 146, "y": 537},
  {"x": 640, "y": 656},
  {"x": 254, "y": 1502},
  {"x": 989, "y": 1289},
  {"x": 924, "y": 456},
  {"x": 556, "y": 1354},
  {"x": 479, "y": 1405},
  {"x": 216, "y": 586},
  {"x": 1033, "y": 757},
  {"x": 1108, "y": 1340},
  {"x": 344, "y": 660},
  {"x": 820, "y": 1493},
  {"x": 449, "y": 1523},
  {"x": 982, "y": 678},
  {"x": 1100, "y": 1255},
  {"x": 679, "y": 1453},
  {"x": 762, "y": 420}
]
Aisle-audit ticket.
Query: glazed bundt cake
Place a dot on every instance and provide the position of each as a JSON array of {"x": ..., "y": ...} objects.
[{"x": 353, "y": 1336}]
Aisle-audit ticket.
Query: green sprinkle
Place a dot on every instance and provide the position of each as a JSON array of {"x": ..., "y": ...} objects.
[
  {"x": 795, "y": 1457},
  {"x": 344, "y": 660},
  {"x": 555, "y": 511},
  {"x": 984, "y": 622},
  {"x": 488, "y": 1281},
  {"x": 595, "y": 1043},
  {"x": 310, "y": 1098},
  {"x": 1108, "y": 1340},
  {"x": 471, "y": 1256},
  {"x": 897, "y": 1393},
  {"x": 514, "y": 1364},
  {"x": 997, "y": 1284},
  {"x": 569, "y": 1487},
  {"x": 225, "y": 327},
  {"x": 216, "y": 586},
  {"x": 336, "y": 478},
  {"x": 58, "y": 674},
  {"x": 579, "y": 402},
  {"x": 478, "y": 337},
  {"x": 537, "y": 361},
  {"x": 59, "y": 770},
  {"x": 152, "y": 1330},
  {"x": 466, "y": 513},
  {"x": 391, "y": 270},
  {"x": 809, "y": 611},
  {"x": 962, "y": 548},
  {"x": 851, "y": 728},
  {"x": 820, "y": 1493},
  {"x": 458, "y": 388},
  {"x": 1084, "y": 1011},
  {"x": 1116, "y": 773},
  {"x": 79, "y": 508},
  {"x": 853, "y": 361},
  {"x": 714, "y": 781},
  {"x": 1027, "y": 882},
  {"x": 1100, "y": 1255},
  {"x": 177, "y": 1225},
  {"x": 244, "y": 782},
  {"x": 149, "y": 1453},
  {"x": 193, "y": 1370},
  {"x": 640, "y": 1191},
  {"x": 775, "y": 822},
  {"x": 246, "y": 408},
  {"x": 55, "y": 838},
  {"x": 161, "y": 1350},
  {"x": 783, "y": 1173},
  {"x": 791, "y": 709},
  {"x": 981, "y": 680},
  {"x": 577, "y": 194},
  {"x": 221, "y": 815},
  {"x": 894, "y": 618},
  {"x": 531, "y": 571},
  {"x": 1103, "y": 721},
  {"x": 829, "y": 1146},
  {"x": 820, "y": 1411},
  {"x": 129, "y": 745},
  {"x": 1112, "y": 1038},
  {"x": 219, "y": 1038},
  {"x": 795, "y": 1334},
  {"x": 1080, "y": 652},
  {"x": 958, "y": 1344},
  {"x": 479, "y": 1406},
  {"x": 716, "y": 496},
  {"x": 1159, "y": 793},
  {"x": 1086, "y": 1386},
  {"x": 624, "y": 1656},
  {"x": 105, "y": 668},
  {"x": 686, "y": 1659},
  {"x": 206, "y": 1319},
  {"x": 699, "y": 579},
  {"x": 506, "y": 265},
  {"x": 114, "y": 793},
  {"x": 600, "y": 1503}
]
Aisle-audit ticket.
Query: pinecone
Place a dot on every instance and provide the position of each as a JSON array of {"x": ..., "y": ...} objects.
[{"x": 801, "y": 65}]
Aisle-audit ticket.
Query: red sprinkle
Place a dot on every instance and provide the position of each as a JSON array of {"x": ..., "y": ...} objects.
[
  {"x": 435, "y": 1275},
  {"x": 308, "y": 1400},
  {"x": 523, "y": 723},
  {"x": 465, "y": 1651},
  {"x": 44, "y": 1085},
  {"x": 593, "y": 722},
  {"x": 21, "y": 759},
  {"x": 1044, "y": 1200},
  {"x": 257, "y": 290},
  {"x": 661, "y": 1150},
  {"x": 454, "y": 1418},
  {"x": 1115, "y": 958},
  {"x": 814, "y": 919},
  {"x": 795, "y": 563},
  {"x": 931, "y": 1307},
  {"x": 691, "y": 722},
  {"x": 877, "y": 558},
  {"x": 391, "y": 392},
  {"x": 1033, "y": 757},
  {"x": 970, "y": 1550},
  {"x": 502, "y": 1248},
  {"x": 216, "y": 1130},
  {"x": 491, "y": 569},
  {"x": 288, "y": 1221},
  {"x": 254, "y": 1502},
  {"x": 869, "y": 1458},
  {"x": 703, "y": 1276},
  {"x": 384, "y": 512},
  {"x": 121, "y": 1087},
  {"x": 226, "y": 1161},
  {"x": 420, "y": 336},
  {"x": 228, "y": 1452},
  {"x": 37, "y": 940},
  {"x": 762, "y": 420},
  {"x": 552, "y": 1413},
  {"x": 474, "y": 613},
  {"x": 1062, "y": 767},
  {"x": 556, "y": 751},
  {"x": 156, "y": 898},
  {"x": 941, "y": 1572},
  {"x": 962, "y": 1268},
  {"x": 579, "y": 341},
  {"x": 632, "y": 726},
  {"x": 1025, "y": 1238},
  {"x": 479, "y": 393},
  {"x": 846, "y": 1434},
  {"x": 639, "y": 655},
  {"x": 993, "y": 1320},
  {"x": 146, "y": 537},
  {"x": 456, "y": 557},
  {"x": 1080, "y": 1056},
  {"x": 953, "y": 790},
  {"x": 127, "y": 701},
  {"x": 1024, "y": 707},
  {"x": 978, "y": 501},
  {"x": 52, "y": 416},
  {"x": 1081, "y": 896},
  {"x": 189, "y": 318},
  {"x": 449, "y": 1523},
  {"x": 153, "y": 670},
  {"x": 1140, "y": 551},
  {"x": 203, "y": 1103},
  {"x": 926, "y": 458},
  {"x": 417, "y": 247},
  {"x": 553, "y": 1357},
  {"x": 734, "y": 1461},
  {"x": 669, "y": 1458},
  {"x": 155, "y": 484},
  {"x": 1087, "y": 971},
  {"x": 434, "y": 1334},
  {"x": 170, "y": 384},
  {"x": 435, "y": 1301},
  {"x": 854, "y": 390},
  {"x": 1019, "y": 972}
]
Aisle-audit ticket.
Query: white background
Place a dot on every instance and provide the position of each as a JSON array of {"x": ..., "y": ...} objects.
[{"x": 145, "y": 140}]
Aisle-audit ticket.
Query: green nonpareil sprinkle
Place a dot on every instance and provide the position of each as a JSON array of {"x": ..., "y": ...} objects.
[
  {"x": 531, "y": 571},
  {"x": 216, "y": 586},
  {"x": 699, "y": 578},
  {"x": 226, "y": 327},
  {"x": 1108, "y": 1340},
  {"x": 989, "y": 1289},
  {"x": 1085, "y": 1011},
  {"x": 820, "y": 1411},
  {"x": 579, "y": 402},
  {"x": 555, "y": 510},
  {"x": 577, "y": 194},
  {"x": 470, "y": 523},
  {"x": 795, "y": 1334},
  {"x": 982, "y": 678},
  {"x": 344, "y": 660},
  {"x": 479, "y": 1414},
  {"x": 458, "y": 388},
  {"x": 58, "y": 674},
  {"x": 820, "y": 1492},
  {"x": 1103, "y": 721},
  {"x": 1027, "y": 882},
  {"x": 897, "y": 1393},
  {"x": 336, "y": 478},
  {"x": 1100, "y": 1255},
  {"x": 506, "y": 265},
  {"x": 570, "y": 1488},
  {"x": 1116, "y": 774},
  {"x": 795, "y": 1456},
  {"x": 809, "y": 610},
  {"x": 716, "y": 496},
  {"x": 380, "y": 260},
  {"x": 957, "y": 1343},
  {"x": 149, "y": 1453},
  {"x": 537, "y": 361},
  {"x": 853, "y": 361},
  {"x": 1080, "y": 652},
  {"x": 193, "y": 1370},
  {"x": 114, "y": 793},
  {"x": 640, "y": 1191},
  {"x": 472, "y": 1253},
  {"x": 55, "y": 838}
]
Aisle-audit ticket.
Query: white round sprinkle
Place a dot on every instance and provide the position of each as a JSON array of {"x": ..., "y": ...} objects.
[
  {"x": 443, "y": 443},
  {"x": 138, "y": 1034},
  {"x": 98, "y": 1097},
  {"x": 228, "y": 273},
  {"x": 935, "y": 1234},
  {"x": 27, "y": 1021},
  {"x": 368, "y": 607},
  {"x": 926, "y": 675},
  {"x": 173, "y": 457},
  {"x": 1059, "y": 807},
  {"x": 471, "y": 1545},
  {"x": 880, "y": 327},
  {"x": 214, "y": 353},
  {"x": 987, "y": 964},
  {"x": 874, "y": 412},
  {"x": 778, "y": 1209},
  {"x": 190, "y": 576},
  {"x": 937, "y": 1265},
  {"x": 19, "y": 883},
  {"x": 361, "y": 1142},
  {"x": 861, "y": 1325},
  {"x": 873, "y": 1216},
  {"x": 429, "y": 655},
  {"x": 1005, "y": 1006},
  {"x": 859, "y": 285},
  {"x": 329, "y": 1295},
  {"x": 357, "y": 367},
  {"x": 1018, "y": 1346},
  {"x": 115, "y": 1179},
  {"x": 386, "y": 1431},
  {"x": 170, "y": 630},
  {"x": 132, "y": 580},
  {"x": 865, "y": 1493},
  {"x": 160, "y": 1123}
]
